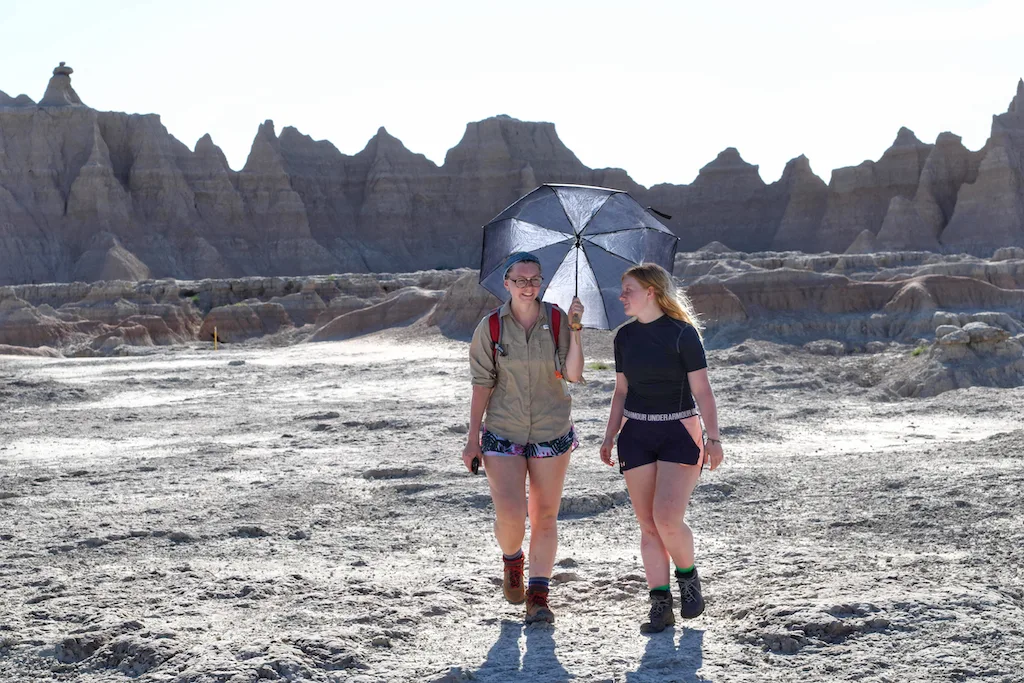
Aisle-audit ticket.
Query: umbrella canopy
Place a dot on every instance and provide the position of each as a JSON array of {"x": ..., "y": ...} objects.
[{"x": 585, "y": 238}]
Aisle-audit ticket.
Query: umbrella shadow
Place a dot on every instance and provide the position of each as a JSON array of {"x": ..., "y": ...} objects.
[{"x": 663, "y": 660}]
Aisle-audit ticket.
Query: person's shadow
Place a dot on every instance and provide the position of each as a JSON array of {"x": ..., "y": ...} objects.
[
  {"x": 664, "y": 661},
  {"x": 540, "y": 659},
  {"x": 504, "y": 663}
]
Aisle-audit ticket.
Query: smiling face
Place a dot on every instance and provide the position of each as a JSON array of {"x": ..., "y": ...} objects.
[
  {"x": 523, "y": 271},
  {"x": 633, "y": 296}
]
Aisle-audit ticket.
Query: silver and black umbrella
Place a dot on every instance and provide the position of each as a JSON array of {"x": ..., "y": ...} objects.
[{"x": 585, "y": 238}]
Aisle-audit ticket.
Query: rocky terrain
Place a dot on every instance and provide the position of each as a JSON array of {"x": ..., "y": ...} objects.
[
  {"x": 291, "y": 505},
  {"x": 229, "y": 453},
  {"x": 88, "y": 195},
  {"x": 301, "y": 513},
  {"x": 831, "y": 304}
]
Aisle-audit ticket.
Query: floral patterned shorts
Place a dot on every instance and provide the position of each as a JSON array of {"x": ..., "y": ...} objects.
[{"x": 492, "y": 444}]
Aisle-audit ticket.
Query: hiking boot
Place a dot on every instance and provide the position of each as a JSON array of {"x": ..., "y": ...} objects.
[
  {"x": 662, "y": 614},
  {"x": 512, "y": 586},
  {"x": 691, "y": 601},
  {"x": 537, "y": 609}
]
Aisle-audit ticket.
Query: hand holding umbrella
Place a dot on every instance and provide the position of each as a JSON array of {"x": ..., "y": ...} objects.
[{"x": 576, "y": 310}]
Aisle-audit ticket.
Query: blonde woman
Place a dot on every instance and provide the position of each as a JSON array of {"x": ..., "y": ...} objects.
[{"x": 661, "y": 394}]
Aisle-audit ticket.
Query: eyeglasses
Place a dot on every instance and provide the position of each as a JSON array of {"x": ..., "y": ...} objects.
[{"x": 523, "y": 282}]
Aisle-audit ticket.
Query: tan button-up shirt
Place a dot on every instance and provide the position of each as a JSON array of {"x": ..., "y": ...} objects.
[{"x": 529, "y": 403}]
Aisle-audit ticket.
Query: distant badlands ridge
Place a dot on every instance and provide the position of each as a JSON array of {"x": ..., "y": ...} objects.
[{"x": 88, "y": 195}]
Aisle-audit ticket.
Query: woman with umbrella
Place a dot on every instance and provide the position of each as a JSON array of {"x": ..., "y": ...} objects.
[
  {"x": 519, "y": 367},
  {"x": 660, "y": 372}
]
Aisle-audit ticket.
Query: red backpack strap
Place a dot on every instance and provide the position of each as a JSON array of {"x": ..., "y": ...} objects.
[
  {"x": 555, "y": 320},
  {"x": 556, "y": 323},
  {"x": 494, "y": 322}
]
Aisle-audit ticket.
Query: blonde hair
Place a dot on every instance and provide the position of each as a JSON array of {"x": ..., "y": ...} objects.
[{"x": 672, "y": 301}]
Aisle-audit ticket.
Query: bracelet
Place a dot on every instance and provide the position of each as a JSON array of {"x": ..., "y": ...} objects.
[{"x": 718, "y": 441}]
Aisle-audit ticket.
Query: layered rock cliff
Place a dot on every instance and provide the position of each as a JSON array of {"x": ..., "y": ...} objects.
[{"x": 88, "y": 195}]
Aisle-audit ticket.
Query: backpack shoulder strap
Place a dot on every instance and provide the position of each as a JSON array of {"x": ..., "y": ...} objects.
[
  {"x": 494, "y": 322},
  {"x": 555, "y": 325},
  {"x": 555, "y": 316}
]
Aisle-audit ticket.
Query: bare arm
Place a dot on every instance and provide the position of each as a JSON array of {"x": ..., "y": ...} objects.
[
  {"x": 615, "y": 417},
  {"x": 484, "y": 371},
  {"x": 477, "y": 407},
  {"x": 700, "y": 387},
  {"x": 574, "y": 361},
  {"x": 572, "y": 368}
]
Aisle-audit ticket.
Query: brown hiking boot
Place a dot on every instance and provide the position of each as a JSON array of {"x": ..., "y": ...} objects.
[
  {"x": 537, "y": 609},
  {"x": 512, "y": 586}
]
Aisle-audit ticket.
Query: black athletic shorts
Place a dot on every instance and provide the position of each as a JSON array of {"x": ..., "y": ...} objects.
[{"x": 641, "y": 443}]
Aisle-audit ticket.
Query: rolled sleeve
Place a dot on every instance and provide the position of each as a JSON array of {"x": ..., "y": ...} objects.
[{"x": 481, "y": 358}]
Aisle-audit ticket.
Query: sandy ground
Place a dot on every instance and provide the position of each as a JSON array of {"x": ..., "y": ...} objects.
[{"x": 302, "y": 513}]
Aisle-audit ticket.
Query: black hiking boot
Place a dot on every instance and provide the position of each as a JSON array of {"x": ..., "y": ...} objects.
[
  {"x": 691, "y": 601},
  {"x": 662, "y": 614}
]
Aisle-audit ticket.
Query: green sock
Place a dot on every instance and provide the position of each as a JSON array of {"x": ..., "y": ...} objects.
[
  {"x": 684, "y": 572},
  {"x": 662, "y": 588}
]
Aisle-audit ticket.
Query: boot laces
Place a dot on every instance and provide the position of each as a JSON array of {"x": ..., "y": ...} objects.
[
  {"x": 688, "y": 587},
  {"x": 515, "y": 574}
]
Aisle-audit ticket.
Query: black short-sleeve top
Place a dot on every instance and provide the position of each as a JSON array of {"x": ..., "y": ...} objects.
[{"x": 655, "y": 357}]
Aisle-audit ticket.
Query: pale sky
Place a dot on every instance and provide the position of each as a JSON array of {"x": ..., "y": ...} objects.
[{"x": 658, "y": 89}]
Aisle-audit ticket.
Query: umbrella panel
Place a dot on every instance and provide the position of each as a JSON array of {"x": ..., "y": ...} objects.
[
  {"x": 608, "y": 269},
  {"x": 638, "y": 246},
  {"x": 540, "y": 207},
  {"x": 550, "y": 258},
  {"x": 501, "y": 238},
  {"x": 563, "y": 287},
  {"x": 581, "y": 203},
  {"x": 621, "y": 212}
]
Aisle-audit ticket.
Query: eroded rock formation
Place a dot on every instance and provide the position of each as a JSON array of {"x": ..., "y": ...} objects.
[{"x": 88, "y": 195}]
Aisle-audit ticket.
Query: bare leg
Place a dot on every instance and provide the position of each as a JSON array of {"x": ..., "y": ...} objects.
[
  {"x": 506, "y": 475},
  {"x": 674, "y": 485},
  {"x": 641, "y": 482},
  {"x": 547, "y": 475}
]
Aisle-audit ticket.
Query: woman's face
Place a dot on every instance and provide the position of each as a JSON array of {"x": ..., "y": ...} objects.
[
  {"x": 633, "y": 296},
  {"x": 528, "y": 272}
]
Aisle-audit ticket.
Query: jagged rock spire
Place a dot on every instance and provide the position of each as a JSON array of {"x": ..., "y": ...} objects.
[
  {"x": 59, "y": 92},
  {"x": 1017, "y": 103}
]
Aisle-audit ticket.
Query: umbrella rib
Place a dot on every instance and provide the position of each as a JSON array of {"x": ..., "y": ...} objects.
[{"x": 589, "y": 235}]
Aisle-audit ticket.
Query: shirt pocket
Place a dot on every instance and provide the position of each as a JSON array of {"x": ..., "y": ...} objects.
[{"x": 512, "y": 365}]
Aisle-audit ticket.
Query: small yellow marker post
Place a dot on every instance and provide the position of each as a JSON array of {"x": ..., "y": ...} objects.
[{"x": 214, "y": 338}]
